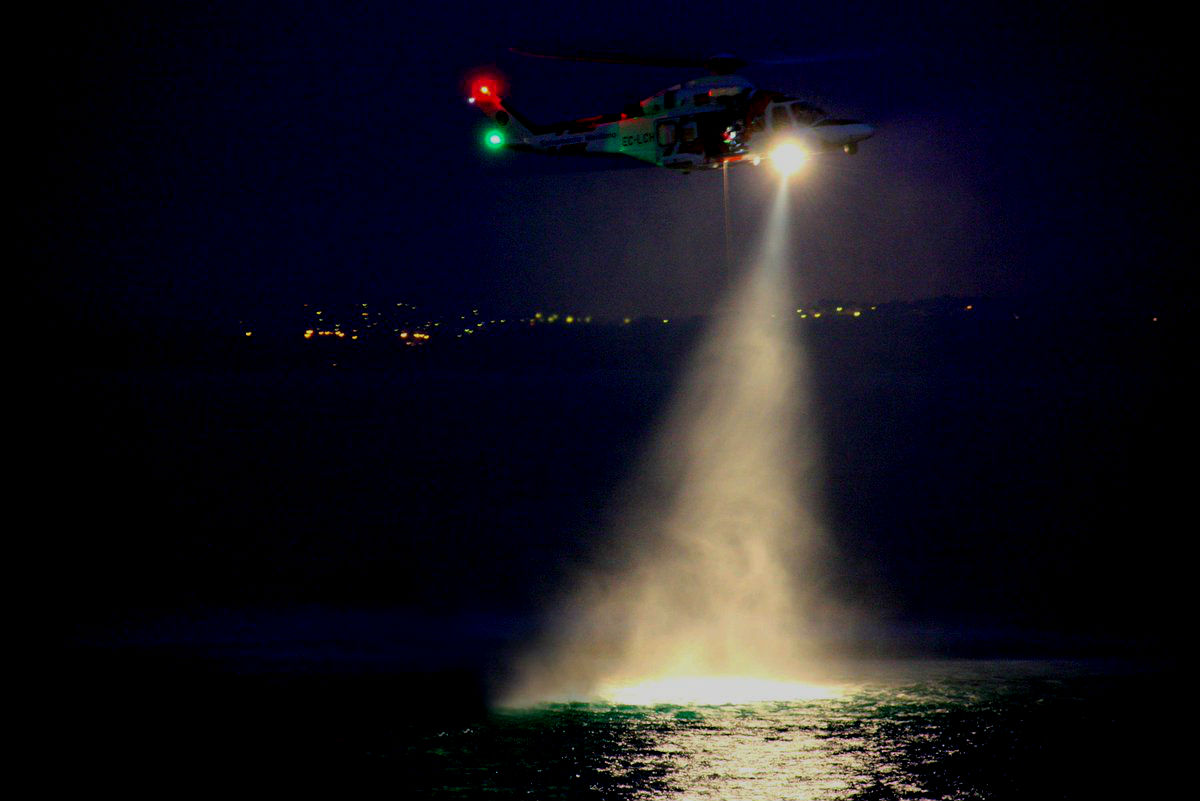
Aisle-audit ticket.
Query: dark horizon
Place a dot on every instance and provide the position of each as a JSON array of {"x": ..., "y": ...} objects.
[{"x": 970, "y": 458}]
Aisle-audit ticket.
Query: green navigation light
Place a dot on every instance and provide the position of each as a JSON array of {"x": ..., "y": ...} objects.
[{"x": 494, "y": 140}]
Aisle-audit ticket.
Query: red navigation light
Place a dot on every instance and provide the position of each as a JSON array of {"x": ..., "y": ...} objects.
[
  {"x": 485, "y": 94},
  {"x": 485, "y": 88}
]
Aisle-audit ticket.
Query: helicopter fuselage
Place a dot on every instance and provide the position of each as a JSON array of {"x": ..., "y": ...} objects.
[{"x": 701, "y": 124}]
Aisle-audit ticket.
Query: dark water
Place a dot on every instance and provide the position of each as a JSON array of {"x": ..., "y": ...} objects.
[
  {"x": 981, "y": 474},
  {"x": 949, "y": 730},
  {"x": 998, "y": 489},
  {"x": 942, "y": 729}
]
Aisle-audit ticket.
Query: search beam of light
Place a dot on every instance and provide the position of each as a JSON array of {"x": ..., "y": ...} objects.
[{"x": 716, "y": 569}]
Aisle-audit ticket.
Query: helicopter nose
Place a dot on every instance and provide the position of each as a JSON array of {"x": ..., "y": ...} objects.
[
  {"x": 856, "y": 131},
  {"x": 842, "y": 133}
]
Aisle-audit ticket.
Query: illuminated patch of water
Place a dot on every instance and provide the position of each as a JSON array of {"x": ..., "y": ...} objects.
[{"x": 713, "y": 690}]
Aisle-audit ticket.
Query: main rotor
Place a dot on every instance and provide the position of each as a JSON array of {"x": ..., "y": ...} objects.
[{"x": 718, "y": 64}]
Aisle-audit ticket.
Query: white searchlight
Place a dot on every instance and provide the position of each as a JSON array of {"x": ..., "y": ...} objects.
[{"x": 788, "y": 157}]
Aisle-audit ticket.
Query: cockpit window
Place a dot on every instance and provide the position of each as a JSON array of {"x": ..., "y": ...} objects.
[{"x": 806, "y": 113}]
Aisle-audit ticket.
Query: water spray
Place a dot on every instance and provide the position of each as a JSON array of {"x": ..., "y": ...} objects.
[{"x": 715, "y": 572}]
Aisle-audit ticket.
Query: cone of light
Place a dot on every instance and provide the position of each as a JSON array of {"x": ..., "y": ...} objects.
[{"x": 704, "y": 599}]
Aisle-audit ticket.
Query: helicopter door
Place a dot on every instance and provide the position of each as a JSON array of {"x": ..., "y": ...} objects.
[
  {"x": 689, "y": 138},
  {"x": 668, "y": 136}
]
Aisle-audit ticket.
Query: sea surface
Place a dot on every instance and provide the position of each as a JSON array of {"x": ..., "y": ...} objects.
[
  {"x": 279, "y": 563},
  {"x": 896, "y": 729},
  {"x": 935, "y": 730}
]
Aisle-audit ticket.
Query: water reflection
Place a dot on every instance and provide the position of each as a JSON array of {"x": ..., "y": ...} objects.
[{"x": 978, "y": 735}]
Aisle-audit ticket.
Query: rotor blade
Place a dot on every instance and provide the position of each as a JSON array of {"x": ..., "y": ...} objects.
[
  {"x": 820, "y": 58},
  {"x": 718, "y": 64},
  {"x": 609, "y": 57}
]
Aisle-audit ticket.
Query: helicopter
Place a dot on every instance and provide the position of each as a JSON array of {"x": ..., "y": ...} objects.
[{"x": 705, "y": 123}]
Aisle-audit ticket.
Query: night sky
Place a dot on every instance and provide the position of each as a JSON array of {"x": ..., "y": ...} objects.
[{"x": 209, "y": 162}]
